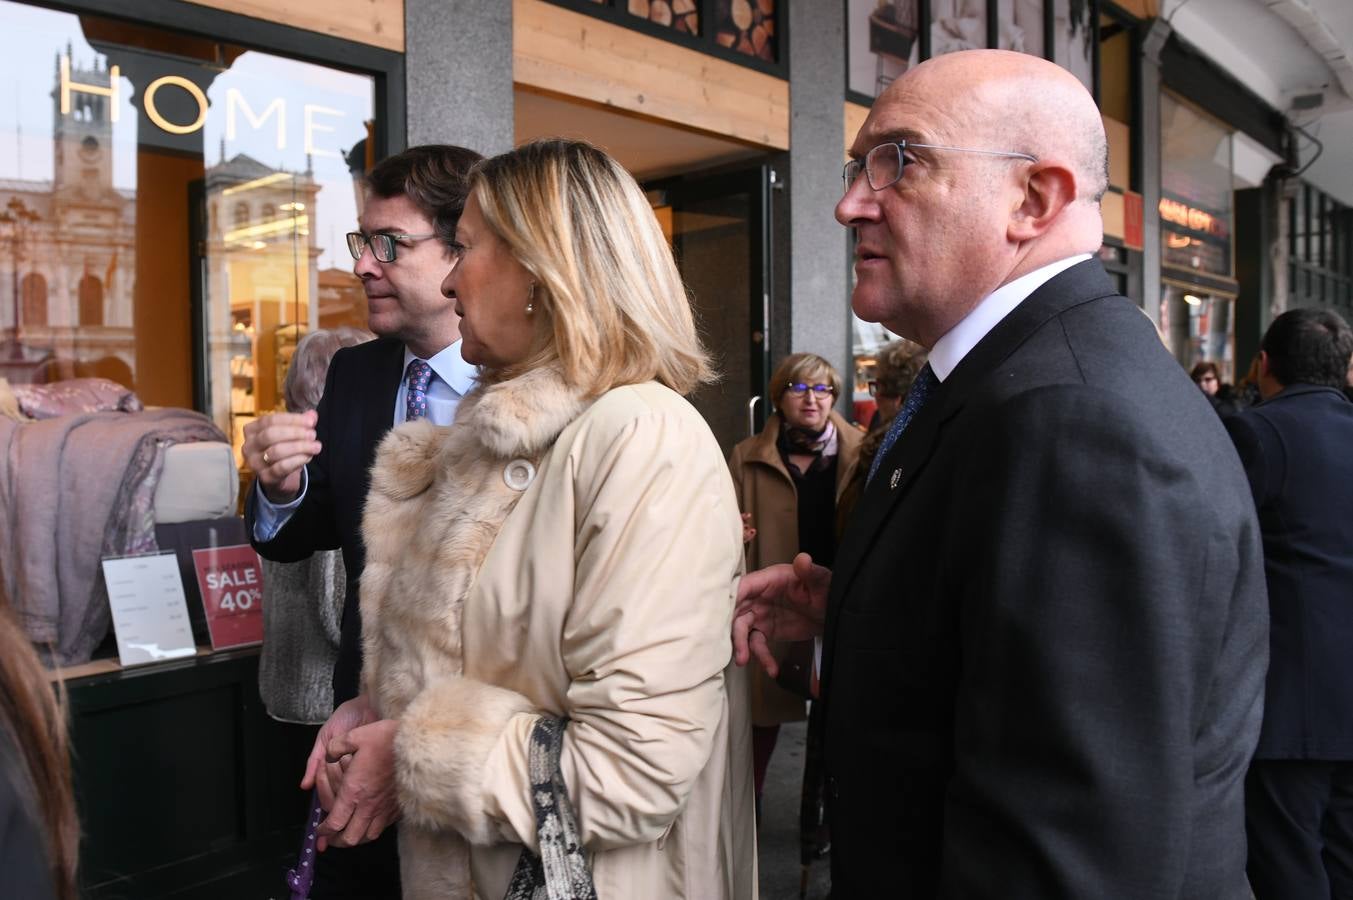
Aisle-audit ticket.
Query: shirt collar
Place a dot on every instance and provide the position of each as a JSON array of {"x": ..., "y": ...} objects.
[
  {"x": 450, "y": 367},
  {"x": 949, "y": 350}
]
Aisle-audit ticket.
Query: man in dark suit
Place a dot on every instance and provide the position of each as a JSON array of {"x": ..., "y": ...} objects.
[
  {"x": 312, "y": 470},
  {"x": 1297, "y": 449},
  {"x": 1045, "y": 635}
]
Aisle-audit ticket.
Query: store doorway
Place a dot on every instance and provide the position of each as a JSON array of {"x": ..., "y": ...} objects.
[
  {"x": 712, "y": 197},
  {"x": 719, "y": 228}
]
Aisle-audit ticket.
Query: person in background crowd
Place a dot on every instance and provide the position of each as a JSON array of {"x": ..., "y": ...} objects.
[
  {"x": 39, "y": 831},
  {"x": 1222, "y": 396},
  {"x": 303, "y": 601},
  {"x": 1295, "y": 447},
  {"x": 789, "y": 478},
  {"x": 312, "y": 468},
  {"x": 1045, "y": 635},
  {"x": 549, "y": 583},
  {"x": 896, "y": 366},
  {"x": 1247, "y": 389},
  {"x": 1204, "y": 374}
]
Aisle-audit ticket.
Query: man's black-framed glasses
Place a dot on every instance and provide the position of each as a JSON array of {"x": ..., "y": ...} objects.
[
  {"x": 883, "y": 165},
  {"x": 798, "y": 389},
  {"x": 382, "y": 243}
]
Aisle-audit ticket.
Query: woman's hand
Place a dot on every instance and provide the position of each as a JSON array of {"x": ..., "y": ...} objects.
[
  {"x": 357, "y": 795},
  {"x": 366, "y": 802},
  {"x": 748, "y": 532}
]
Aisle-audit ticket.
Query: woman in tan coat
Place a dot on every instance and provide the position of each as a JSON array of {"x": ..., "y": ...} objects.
[
  {"x": 549, "y": 582},
  {"x": 789, "y": 479}
]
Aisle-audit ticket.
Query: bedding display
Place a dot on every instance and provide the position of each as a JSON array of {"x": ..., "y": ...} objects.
[{"x": 81, "y": 486}]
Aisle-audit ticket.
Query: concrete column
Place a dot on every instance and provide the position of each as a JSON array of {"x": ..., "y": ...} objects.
[
  {"x": 458, "y": 60},
  {"x": 1149, "y": 147},
  {"x": 819, "y": 289}
]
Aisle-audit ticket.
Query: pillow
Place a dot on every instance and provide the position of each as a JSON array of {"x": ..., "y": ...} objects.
[{"x": 77, "y": 395}]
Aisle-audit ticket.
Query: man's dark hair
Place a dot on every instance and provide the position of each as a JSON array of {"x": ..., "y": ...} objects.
[
  {"x": 433, "y": 177},
  {"x": 1309, "y": 346}
]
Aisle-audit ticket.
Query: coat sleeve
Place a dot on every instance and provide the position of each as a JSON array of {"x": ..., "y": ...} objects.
[
  {"x": 645, "y": 643},
  {"x": 1113, "y": 644}
]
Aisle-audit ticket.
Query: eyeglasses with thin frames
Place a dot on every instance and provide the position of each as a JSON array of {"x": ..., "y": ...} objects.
[
  {"x": 798, "y": 389},
  {"x": 382, "y": 243},
  {"x": 884, "y": 164}
]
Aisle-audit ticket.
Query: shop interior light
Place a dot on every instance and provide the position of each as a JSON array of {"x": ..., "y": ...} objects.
[{"x": 1193, "y": 299}]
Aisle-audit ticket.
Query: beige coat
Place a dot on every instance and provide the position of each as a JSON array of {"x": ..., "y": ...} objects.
[
  {"x": 766, "y": 490},
  {"x": 601, "y": 588}
]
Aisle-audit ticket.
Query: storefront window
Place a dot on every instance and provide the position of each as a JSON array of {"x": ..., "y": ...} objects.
[
  {"x": 1195, "y": 191},
  {"x": 1199, "y": 327},
  {"x": 161, "y": 184}
]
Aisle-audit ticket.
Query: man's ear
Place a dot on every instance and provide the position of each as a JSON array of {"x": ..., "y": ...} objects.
[
  {"x": 1049, "y": 188},
  {"x": 1265, "y": 364}
]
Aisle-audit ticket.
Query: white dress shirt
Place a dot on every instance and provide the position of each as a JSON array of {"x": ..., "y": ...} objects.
[{"x": 452, "y": 379}]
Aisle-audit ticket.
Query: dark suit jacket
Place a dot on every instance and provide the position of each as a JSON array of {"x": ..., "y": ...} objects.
[
  {"x": 1046, "y": 636},
  {"x": 1297, "y": 449},
  {"x": 356, "y": 411}
]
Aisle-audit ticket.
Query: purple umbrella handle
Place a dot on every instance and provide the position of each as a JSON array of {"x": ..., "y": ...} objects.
[{"x": 300, "y": 878}]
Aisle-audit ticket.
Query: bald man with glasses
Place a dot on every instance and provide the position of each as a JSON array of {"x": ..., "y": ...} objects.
[
  {"x": 1044, "y": 636},
  {"x": 311, "y": 469}
]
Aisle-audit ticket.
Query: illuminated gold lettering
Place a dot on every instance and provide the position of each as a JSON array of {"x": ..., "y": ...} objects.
[
  {"x": 311, "y": 126},
  {"x": 148, "y": 104},
  {"x": 114, "y": 75},
  {"x": 234, "y": 100}
]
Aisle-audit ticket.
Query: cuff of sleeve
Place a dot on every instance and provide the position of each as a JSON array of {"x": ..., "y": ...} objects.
[
  {"x": 442, "y": 750},
  {"x": 269, "y": 517}
]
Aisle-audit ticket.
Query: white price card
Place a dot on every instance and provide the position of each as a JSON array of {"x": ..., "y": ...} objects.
[{"x": 150, "y": 613}]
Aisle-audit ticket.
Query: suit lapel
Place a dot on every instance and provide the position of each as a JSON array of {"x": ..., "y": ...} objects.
[
  {"x": 907, "y": 459},
  {"x": 377, "y": 408}
]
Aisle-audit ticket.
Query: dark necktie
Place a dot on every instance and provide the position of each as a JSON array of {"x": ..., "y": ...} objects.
[
  {"x": 416, "y": 400},
  {"x": 920, "y": 389}
]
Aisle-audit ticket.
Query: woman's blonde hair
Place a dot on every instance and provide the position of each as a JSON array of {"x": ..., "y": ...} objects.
[
  {"x": 608, "y": 294},
  {"x": 805, "y": 368}
]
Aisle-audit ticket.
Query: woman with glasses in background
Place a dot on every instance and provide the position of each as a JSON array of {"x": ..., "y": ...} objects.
[{"x": 789, "y": 478}]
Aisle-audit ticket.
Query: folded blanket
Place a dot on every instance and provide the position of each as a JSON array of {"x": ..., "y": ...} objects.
[{"x": 73, "y": 490}]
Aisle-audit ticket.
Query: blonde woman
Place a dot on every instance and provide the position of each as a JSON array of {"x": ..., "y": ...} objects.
[{"x": 549, "y": 582}]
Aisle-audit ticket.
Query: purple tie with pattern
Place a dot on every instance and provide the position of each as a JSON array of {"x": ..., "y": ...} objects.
[{"x": 416, "y": 400}]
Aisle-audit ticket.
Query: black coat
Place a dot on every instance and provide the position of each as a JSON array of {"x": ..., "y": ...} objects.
[
  {"x": 356, "y": 411},
  {"x": 1046, "y": 636},
  {"x": 1297, "y": 449}
]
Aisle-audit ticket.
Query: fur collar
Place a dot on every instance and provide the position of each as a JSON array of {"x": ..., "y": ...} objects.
[{"x": 520, "y": 418}]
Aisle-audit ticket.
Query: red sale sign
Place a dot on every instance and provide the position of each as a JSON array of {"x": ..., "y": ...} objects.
[{"x": 231, "y": 581}]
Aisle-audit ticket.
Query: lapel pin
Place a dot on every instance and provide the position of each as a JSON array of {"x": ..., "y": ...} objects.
[{"x": 892, "y": 482}]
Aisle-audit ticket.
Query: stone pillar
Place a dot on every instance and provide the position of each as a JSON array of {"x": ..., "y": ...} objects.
[
  {"x": 819, "y": 286},
  {"x": 1148, "y": 99},
  {"x": 458, "y": 60}
]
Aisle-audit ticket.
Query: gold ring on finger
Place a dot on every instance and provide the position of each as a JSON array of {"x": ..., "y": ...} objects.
[{"x": 266, "y": 461}]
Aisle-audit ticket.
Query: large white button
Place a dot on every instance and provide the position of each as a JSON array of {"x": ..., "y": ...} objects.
[{"x": 519, "y": 474}]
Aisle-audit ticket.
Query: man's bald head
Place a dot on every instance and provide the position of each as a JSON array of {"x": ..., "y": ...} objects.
[
  {"x": 1018, "y": 102},
  {"x": 1004, "y": 162}
]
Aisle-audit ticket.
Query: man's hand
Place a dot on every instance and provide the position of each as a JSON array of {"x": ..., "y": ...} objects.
[
  {"x": 321, "y": 775},
  {"x": 366, "y": 801},
  {"x": 779, "y": 603},
  {"x": 276, "y": 447}
]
